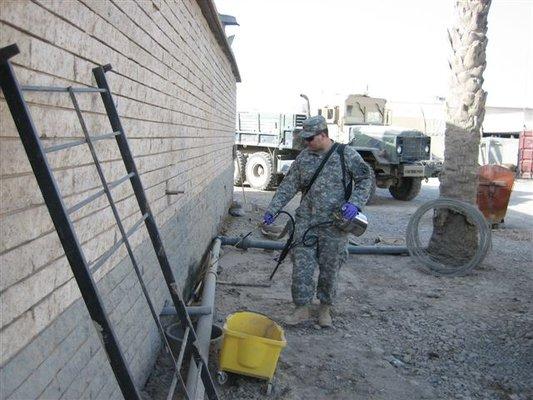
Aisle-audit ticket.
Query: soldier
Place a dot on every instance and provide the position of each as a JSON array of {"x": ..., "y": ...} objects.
[{"x": 324, "y": 244}]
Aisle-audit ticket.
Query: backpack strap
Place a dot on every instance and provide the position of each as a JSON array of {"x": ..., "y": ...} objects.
[
  {"x": 317, "y": 172},
  {"x": 348, "y": 188}
]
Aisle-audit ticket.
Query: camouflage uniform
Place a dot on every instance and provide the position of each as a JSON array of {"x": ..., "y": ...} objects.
[{"x": 325, "y": 197}]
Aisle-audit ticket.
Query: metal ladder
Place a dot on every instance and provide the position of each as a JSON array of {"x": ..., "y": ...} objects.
[{"x": 60, "y": 214}]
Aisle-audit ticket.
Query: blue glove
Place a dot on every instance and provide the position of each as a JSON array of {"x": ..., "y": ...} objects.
[
  {"x": 268, "y": 218},
  {"x": 349, "y": 211}
]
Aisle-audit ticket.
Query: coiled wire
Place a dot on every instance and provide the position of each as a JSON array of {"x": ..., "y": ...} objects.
[{"x": 430, "y": 262}]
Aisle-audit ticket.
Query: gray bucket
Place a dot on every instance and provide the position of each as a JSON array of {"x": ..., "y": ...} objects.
[{"x": 174, "y": 335}]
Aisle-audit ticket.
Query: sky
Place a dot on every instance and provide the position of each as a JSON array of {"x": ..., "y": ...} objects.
[{"x": 396, "y": 49}]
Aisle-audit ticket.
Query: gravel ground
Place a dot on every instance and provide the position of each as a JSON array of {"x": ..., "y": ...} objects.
[{"x": 400, "y": 333}]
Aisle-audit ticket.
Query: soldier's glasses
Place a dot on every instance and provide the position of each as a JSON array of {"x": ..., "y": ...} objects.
[{"x": 310, "y": 139}]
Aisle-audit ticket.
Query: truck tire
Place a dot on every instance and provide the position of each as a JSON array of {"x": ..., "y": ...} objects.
[
  {"x": 260, "y": 171},
  {"x": 406, "y": 189},
  {"x": 239, "y": 171}
]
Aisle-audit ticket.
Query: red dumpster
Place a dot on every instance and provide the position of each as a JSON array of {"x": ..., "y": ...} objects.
[{"x": 494, "y": 192}]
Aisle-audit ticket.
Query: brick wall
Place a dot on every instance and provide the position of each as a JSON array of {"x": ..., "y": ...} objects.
[{"x": 175, "y": 91}]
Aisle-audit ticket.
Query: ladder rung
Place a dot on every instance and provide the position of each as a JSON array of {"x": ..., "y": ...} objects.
[
  {"x": 177, "y": 367},
  {"x": 31, "y": 88},
  {"x": 182, "y": 349},
  {"x": 200, "y": 367},
  {"x": 104, "y": 136},
  {"x": 104, "y": 257},
  {"x": 94, "y": 196},
  {"x": 63, "y": 146},
  {"x": 170, "y": 395},
  {"x": 75, "y": 143}
]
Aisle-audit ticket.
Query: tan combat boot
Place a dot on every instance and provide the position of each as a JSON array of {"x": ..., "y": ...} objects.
[
  {"x": 324, "y": 316},
  {"x": 299, "y": 315}
]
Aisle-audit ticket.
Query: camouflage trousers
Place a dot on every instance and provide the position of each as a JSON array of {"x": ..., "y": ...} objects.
[{"x": 327, "y": 248}]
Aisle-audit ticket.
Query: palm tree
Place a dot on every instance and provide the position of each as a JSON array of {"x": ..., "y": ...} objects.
[{"x": 453, "y": 235}]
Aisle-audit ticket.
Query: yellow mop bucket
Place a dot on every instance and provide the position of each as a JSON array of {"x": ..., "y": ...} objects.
[{"x": 251, "y": 345}]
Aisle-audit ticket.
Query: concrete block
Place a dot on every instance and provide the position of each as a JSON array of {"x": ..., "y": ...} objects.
[
  {"x": 21, "y": 296},
  {"x": 44, "y": 374},
  {"x": 78, "y": 385},
  {"x": 16, "y": 335},
  {"x": 99, "y": 378},
  {"x": 53, "y": 305},
  {"x": 15, "y": 372},
  {"x": 116, "y": 394},
  {"x": 82, "y": 370},
  {"x": 12, "y": 269},
  {"x": 19, "y": 368},
  {"x": 52, "y": 391},
  {"x": 11, "y": 35},
  {"x": 154, "y": 29},
  {"x": 115, "y": 300},
  {"x": 110, "y": 391}
]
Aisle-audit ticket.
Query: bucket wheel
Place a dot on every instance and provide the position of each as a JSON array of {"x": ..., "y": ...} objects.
[
  {"x": 222, "y": 378},
  {"x": 268, "y": 389}
]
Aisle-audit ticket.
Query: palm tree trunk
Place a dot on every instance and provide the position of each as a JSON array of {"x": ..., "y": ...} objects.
[{"x": 465, "y": 107}]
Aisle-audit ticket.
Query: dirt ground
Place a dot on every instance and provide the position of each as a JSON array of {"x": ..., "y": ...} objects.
[{"x": 399, "y": 333}]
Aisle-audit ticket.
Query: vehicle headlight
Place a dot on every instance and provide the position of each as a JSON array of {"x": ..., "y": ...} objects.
[
  {"x": 426, "y": 149},
  {"x": 399, "y": 149}
]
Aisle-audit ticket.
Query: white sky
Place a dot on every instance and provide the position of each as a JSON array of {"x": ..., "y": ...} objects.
[{"x": 397, "y": 48}]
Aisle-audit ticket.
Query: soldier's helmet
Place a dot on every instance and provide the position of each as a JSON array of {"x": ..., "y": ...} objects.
[{"x": 313, "y": 125}]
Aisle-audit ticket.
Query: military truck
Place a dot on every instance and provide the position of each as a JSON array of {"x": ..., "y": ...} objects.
[
  {"x": 265, "y": 146},
  {"x": 400, "y": 158}
]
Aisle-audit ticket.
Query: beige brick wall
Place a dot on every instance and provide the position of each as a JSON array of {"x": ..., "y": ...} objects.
[{"x": 175, "y": 92}]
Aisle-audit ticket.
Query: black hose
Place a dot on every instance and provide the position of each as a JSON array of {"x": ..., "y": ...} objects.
[
  {"x": 305, "y": 240},
  {"x": 289, "y": 243}
]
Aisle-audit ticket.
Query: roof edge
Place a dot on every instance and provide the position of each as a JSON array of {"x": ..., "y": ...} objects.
[{"x": 211, "y": 15}]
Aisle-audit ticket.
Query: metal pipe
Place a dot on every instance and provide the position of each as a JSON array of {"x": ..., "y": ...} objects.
[
  {"x": 247, "y": 243},
  {"x": 205, "y": 322},
  {"x": 191, "y": 310}
]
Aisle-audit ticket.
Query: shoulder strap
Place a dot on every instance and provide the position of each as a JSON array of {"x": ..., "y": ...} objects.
[
  {"x": 317, "y": 172},
  {"x": 347, "y": 187}
]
